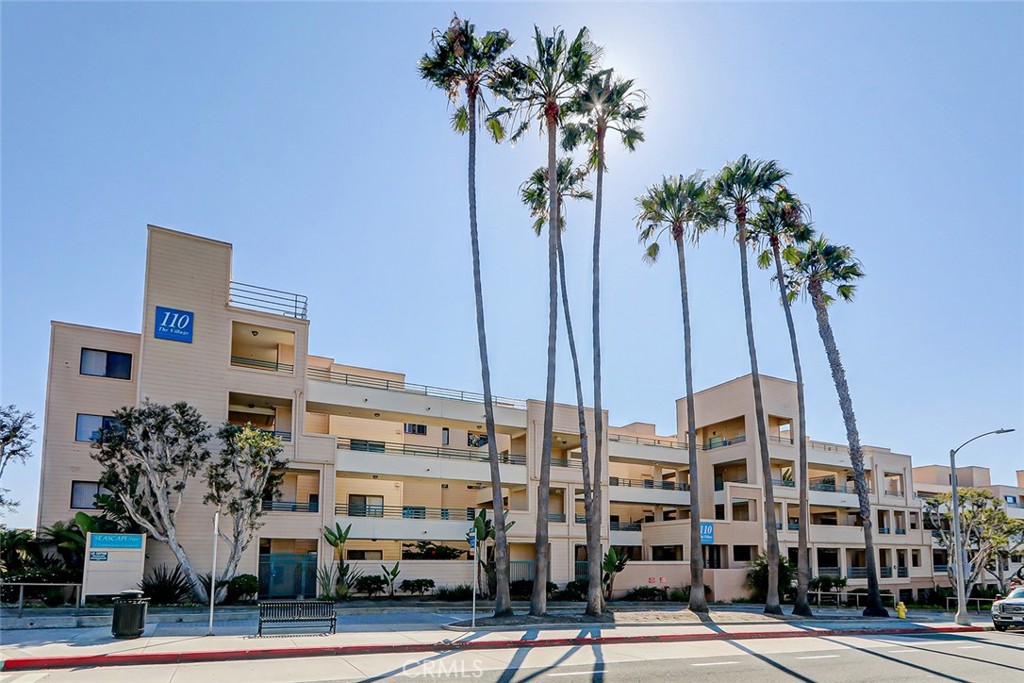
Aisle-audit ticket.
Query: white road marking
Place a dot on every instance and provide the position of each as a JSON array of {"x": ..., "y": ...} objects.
[
  {"x": 579, "y": 673},
  {"x": 970, "y": 647},
  {"x": 713, "y": 663},
  {"x": 894, "y": 652},
  {"x": 819, "y": 657}
]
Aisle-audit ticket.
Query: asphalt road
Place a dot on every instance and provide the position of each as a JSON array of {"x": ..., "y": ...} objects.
[{"x": 978, "y": 657}]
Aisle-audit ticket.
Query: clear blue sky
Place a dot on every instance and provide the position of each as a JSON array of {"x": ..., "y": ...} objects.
[{"x": 302, "y": 134}]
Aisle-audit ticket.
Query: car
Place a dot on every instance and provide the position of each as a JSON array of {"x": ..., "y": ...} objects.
[{"x": 1009, "y": 611}]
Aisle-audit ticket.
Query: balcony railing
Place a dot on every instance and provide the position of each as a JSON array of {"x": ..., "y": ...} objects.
[
  {"x": 780, "y": 439},
  {"x": 720, "y": 485},
  {"x": 902, "y": 572},
  {"x": 941, "y": 569},
  {"x": 647, "y": 441},
  {"x": 828, "y": 486},
  {"x": 710, "y": 445},
  {"x": 273, "y": 366},
  {"x": 884, "y": 530},
  {"x": 894, "y": 494},
  {"x": 649, "y": 484},
  {"x": 581, "y": 519},
  {"x": 857, "y": 572},
  {"x": 405, "y": 512},
  {"x": 521, "y": 570},
  {"x": 631, "y": 525},
  {"x": 794, "y": 526},
  {"x": 367, "y": 446},
  {"x": 582, "y": 569},
  {"x": 829, "y": 571},
  {"x": 408, "y": 388},
  {"x": 283, "y": 436},
  {"x": 267, "y": 300},
  {"x": 290, "y": 506},
  {"x": 566, "y": 462},
  {"x": 885, "y": 572},
  {"x": 557, "y": 517},
  {"x": 901, "y": 532},
  {"x": 788, "y": 483}
]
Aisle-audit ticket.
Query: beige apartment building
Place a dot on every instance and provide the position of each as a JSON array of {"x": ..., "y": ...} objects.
[{"x": 402, "y": 462}]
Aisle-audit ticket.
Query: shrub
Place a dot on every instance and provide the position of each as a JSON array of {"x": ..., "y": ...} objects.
[
  {"x": 456, "y": 593},
  {"x": 416, "y": 586},
  {"x": 677, "y": 595},
  {"x": 241, "y": 587},
  {"x": 646, "y": 594},
  {"x": 428, "y": 550},
  {"x": 575, "y": 590},
  {"x": 523, "y": 588},
  {"x": 371, "y": 585},
  {"x": 757, "y": 577},
  {"x": 166, "y": 586}
]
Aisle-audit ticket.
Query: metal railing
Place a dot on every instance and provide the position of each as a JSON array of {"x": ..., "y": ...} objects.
[
  {"x": 408, "y": 388},
  {"x": 720, "y": 485},
  {"x": 268, "y": 300},
  {"x": 648, "y": 484},
  {"x": 885, "y": 572},
  {"x": 21, "y": 592},
  {"x": 857, "y": 572},
  {"x": 794, "y": 526},
  {"x": 828, "y": 487},
  {"x": 405, "y": 512},
  {"x": 290, "y": 506},
  {"x": 884, "y": 530},
  {"x": 894, "y": 494},
  {"x": 902, "y": 572},
  {"x": 901, "y": 532},
  {"x": 941, "y": 569},
  {"x": 780, "y": 439},
  {"x": 558, "y": 517},
  {"x": 387, "y": 448},
  {"x": 647, "y": 441},
  {"x": 521, "y": 570},
  {"x": 566, "y": 462},
  {"x": 711, "y": 445},
  {"x": 788, "y": 483},
  {"x": 271, "y": 365},
  {"x": 631, "y": 525},
  {"x": 581, "y": 519},
  {"x": 976, "y": 601},
  {"x": 830, "y": 571},
  {"x": 581, "y": 570}
]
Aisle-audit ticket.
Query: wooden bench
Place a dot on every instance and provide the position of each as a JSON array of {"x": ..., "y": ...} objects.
[{"x": 297, "y": 612}]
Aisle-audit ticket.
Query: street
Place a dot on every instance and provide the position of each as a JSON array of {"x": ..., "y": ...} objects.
[{"x": 973, "y": 657}]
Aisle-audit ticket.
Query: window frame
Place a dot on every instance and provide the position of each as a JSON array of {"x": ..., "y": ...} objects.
[
  {"x": 106, "y": 422},
  {"x": 107, "y": 366},
  {"x": 415, "y": 429},
  {"x": 92, "y": 506}
]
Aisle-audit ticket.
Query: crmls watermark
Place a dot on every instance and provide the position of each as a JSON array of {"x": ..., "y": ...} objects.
[{"x": 415, "y": 668}]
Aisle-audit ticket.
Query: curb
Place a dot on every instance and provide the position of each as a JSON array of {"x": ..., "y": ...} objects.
[{"x": 136, "y": 659}]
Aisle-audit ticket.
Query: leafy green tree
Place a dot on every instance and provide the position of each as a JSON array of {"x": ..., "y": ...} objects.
[
  {"x": 740, "y": 187},
  {"x": 605, "y": 103},
  {"x": 461, "y": 63},
  {"x": 485, "y": 531},
  {"x": 782, "y": 222},
  {"x": 758, "y": 577},
  {"x": 538, "y": 89},
  {"x": 681, "y": 207},
  {"x": 611, "y": 565},
  {"x": 813, "y": 267},
  {"x": 16, "y": 429},
  {"x": 247, "y": 471},
  {"x": 148, "y": 457}
]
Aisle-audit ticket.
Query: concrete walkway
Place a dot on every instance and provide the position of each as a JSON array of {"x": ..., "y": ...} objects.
[{"x": 166, "y": 642}]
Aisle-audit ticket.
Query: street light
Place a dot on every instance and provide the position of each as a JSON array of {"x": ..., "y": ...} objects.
[{"x": 958, "y": 545}]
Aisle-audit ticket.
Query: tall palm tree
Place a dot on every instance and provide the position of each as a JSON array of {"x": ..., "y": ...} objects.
[
  {"x": 538, "y": 89},
  {"x": 680, "y": 207},
  {"x": 740, "y": 187},
  {"x": 604, "y": 103},
  {"x": 460, "y": 63},
  {"x": 781, "y": 222},
  {"x": 814, "y": 267},
  {"x": 534, "y": 193}
]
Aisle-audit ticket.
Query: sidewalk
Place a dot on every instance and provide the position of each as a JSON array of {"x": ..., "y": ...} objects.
[{"x": 166, "y": 642}]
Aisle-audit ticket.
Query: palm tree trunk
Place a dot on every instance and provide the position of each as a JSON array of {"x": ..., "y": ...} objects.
[
  {"x": 801, "y": 607},
  {"x": 595, "y": 596},
  {"x": 874, "y": 606},
  {"x": 502, "y": 599},
  {"x": 539, "y": 599},
  {"x": 580, "y": 411},
  {"x": 772, "y": 601},
  {"x": 698, "y": 602}
]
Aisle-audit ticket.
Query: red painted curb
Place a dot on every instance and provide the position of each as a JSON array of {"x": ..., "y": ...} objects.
[{"x": 136, "y": 659}]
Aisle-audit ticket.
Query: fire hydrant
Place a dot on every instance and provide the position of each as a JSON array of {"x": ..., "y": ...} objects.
[{"x": 901, "y": 610}]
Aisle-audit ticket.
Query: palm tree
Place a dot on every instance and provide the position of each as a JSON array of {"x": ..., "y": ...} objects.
[
  {"x": 680, "y": 206},
  {"x": 812, "y": 268},
  {"x": 537, "y": 89},
  {"x": 740, "y": 187},
  {"x": 783, "y": 221},
  {"x": 605, "y": 103},
  {"x": 460, "y": 64}
]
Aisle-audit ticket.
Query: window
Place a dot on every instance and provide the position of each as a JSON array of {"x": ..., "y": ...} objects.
[
  {"x": 444, "y": 436},
  {"x": 365, "y": 506},
  {"x": 1012, "y": 500},
  {"x": 83, "y": 494},
  {"x": 365, "y": 554},
  {"x": 88, "y": 427},
  {"x": 106, "y": 364},
  {"x": 915, "y": 558},
  {"x": 418, "y": 430},
  {"x": 743, "y": 553}
]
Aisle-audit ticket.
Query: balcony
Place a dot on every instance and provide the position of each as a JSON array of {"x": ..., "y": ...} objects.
[
  {"x": 829, "y": 487},
  {"x": 557, "y": 517},
  {"x": 884, "y": 530},
  {"x": 405, "y": 512},
  {"x": 901, "y": 532},
  {"x": 902, "y": 572},
  {"x": 388, "y": 448},
  {"x": 290, "y": 506},
  {"x": 893, "y": 494},
  {"x": 829, "y": 571},
  {"x": 722, "y": 443},
  {"x": 258, "y": 364},
  {"x": 408, "y": 388},
  {"x": 647, "y": 441},
  {"x": 786, "y": 483},
  {"x": 857, "y": 573},
  {"x": 720, "y": 485},
  {"x": 885, "y": 572},
  {"x": 566, "y": 462},
  {"x": 794, "y": 526},
  {"x": 267, "y": 300},
  {"x": 941, "y": 569},
  {"x": 649, "y": 484},
  {"x": 780, "y": 439},
  {"x": 521, "y": 570},
  {"x": 631, "y": 525}
]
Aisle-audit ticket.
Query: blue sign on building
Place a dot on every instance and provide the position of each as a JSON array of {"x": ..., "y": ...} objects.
[
  {"x": 117, "y": 541},
  {"x": 174, "y": 324},
  {"x": 707, "y": 533}
]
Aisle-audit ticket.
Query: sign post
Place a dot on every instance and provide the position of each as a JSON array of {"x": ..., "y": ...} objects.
[
  {"x": 213, "y": 572},
  {"x": 476, "y": 566}
]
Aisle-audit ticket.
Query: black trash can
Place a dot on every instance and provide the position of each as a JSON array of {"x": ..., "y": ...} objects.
[{"x": 129, "y": 615}]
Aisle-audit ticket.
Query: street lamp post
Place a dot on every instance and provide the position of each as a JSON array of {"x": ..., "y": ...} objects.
[{"x": 960, "y": 560}]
